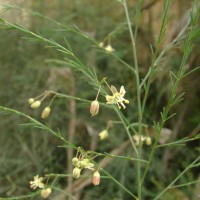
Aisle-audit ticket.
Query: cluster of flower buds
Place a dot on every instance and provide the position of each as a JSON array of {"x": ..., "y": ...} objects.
[
  {"x": 38, "y": 183},
  {"x": 36, "y": 104},
  {"x": 79, "y": 165},
  {"x": 145, "y": 139},
  {"x": 84, "y": 161}
]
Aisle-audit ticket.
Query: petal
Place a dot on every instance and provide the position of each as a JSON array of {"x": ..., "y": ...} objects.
[
  {"x": 113, "y": 89},
  {"x": 110, "y": 99},
  {"x": 122, "y": 91}
]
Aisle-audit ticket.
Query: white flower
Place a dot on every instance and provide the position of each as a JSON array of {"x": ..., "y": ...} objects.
[
  {"x": 117, "y": 97},
  {"x": 37, "y": 182}
]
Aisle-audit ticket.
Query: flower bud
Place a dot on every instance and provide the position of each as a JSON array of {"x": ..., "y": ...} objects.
[
  {"x": 31, "y": 100},
  {"x": 109, "y": 48},
  {"x": 94, "y": 108},
  {"x": 96, "y": 178},
  {"x": 46, "y": 192},
  {"x": 137, "y": 139},
  {"x": 101, "y": 44},
  {"x": 36, "y": 104},
  {"x": 126, "y": 101},
  {"x": 85, "y": 163},
  {"x": 45, "y": 112},
  {"x": 76, "y": 172},
  {"x": 75, "y": 161},
  {"x": 148, "y": 141},
  {"x": 103, "y": 134}
]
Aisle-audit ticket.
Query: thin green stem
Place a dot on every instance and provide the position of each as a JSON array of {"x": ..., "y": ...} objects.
[
  {"x": 137, "y": 76},
  {"x": 127, "y": 131},
  {"x": 118, "y": 183}
]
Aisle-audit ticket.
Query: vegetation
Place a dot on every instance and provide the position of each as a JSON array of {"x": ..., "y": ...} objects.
[{"x": 100, "y": 100}]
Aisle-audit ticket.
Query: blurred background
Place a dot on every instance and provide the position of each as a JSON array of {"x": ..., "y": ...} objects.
[{"x": 27, "y": 70}]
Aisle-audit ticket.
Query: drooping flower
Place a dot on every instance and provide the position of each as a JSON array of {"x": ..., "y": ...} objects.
[
  {"x": 75, "y": 161},
  {"x": 94, "y": 108},
  {"x": 45, "y": 112},
  {"x": 96, "y": 178},
  {"x": 31, "y": 100},
  {"x": 109, "y": 48},
  {"x": 76, "y": 172},
  {"x": 46, "y": 192},
  {"x": 37, "y": 182},
  {"x": 148, "y": 141},
  {"x": 36, "y": 104},
  {"x": 117, "y": 97},
  {"x": 103, "y": 134}
]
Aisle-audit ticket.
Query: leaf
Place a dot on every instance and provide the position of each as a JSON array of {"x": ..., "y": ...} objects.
[{"x": 178, "y": 99}]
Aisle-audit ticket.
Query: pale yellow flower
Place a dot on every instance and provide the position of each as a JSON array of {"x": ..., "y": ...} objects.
[
  {"x": 86, "y": 164},
  {"x": 45, "y": 112},
  {"x": 90, "y": 166},
  {"x": 31, "y": 100},
  {"x": 75, "y": 161},
  {"x": 36, "y": 104},
  {"x": 37, "y": 182},
  {"x": 117, "y": 97},
  {"x": 101, "y": 44},
  {"x": 76, "y": 172},
  {"x": 148, "y": 141},
  {"x": 137, "y": 139},
  {"x": 103, "y": 134},
  {"x": 109, "y": 48}
]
